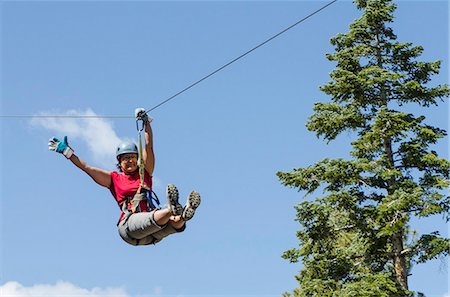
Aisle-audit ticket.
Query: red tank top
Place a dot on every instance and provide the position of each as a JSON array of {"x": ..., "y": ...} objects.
[{"x": 124, "y": 186}]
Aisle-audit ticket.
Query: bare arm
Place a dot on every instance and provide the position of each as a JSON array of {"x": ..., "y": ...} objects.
[
  {"x": 148, "y": 155},
  {"x": 100, "y": 176}
]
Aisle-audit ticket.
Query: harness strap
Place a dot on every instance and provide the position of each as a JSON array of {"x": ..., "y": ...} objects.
[
  {"x": 136, "y": 201},
  {"x": 141, "y": 159},
  {"x": 154, "y": 201},
  {"x": 149, "y": 196}
]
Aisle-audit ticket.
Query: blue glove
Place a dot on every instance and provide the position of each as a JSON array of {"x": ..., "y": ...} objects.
[
  {"x": 62, "y": 147},
  {"x": 140, "y": 114}
]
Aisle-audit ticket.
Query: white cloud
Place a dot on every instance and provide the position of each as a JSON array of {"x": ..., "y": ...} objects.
[
  {"x": 60, "y": 289},
  {"x": 67, "y": 289},
  {"x": 97, "y": 133}
]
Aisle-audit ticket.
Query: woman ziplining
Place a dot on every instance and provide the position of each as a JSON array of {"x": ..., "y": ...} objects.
[{"x": 141, "y": 222}]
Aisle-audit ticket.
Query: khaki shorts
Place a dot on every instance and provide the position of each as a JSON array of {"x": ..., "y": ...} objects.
[{"x": 142, "y": 229}]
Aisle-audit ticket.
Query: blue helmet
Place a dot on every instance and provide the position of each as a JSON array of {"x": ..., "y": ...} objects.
[{"x": 126, "y": 147}]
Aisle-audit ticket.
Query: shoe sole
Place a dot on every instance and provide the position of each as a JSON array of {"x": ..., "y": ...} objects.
[
  {"x": 191, "y": 205},
  {"x": 172, "y": 199}
]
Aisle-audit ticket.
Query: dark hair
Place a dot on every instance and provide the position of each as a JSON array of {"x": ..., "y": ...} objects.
[{"x": 118, "y": 167}]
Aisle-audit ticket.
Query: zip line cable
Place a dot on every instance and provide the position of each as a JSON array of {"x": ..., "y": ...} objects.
[
  {"x": 241, "y": 56},
  {"x": 43, "y": 116},
  {"x": 191, "y": 85}
]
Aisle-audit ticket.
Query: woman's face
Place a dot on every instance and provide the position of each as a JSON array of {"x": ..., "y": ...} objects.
[{"x": 128, "y": 163}]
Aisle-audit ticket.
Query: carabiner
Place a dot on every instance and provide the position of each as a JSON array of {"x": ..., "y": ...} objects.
[{"x": 137, "y": 124}]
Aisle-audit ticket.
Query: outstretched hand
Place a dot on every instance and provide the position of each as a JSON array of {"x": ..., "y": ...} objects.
[
  {"x": 62, "y": 147},
  {"x": 140, "y": 114}
]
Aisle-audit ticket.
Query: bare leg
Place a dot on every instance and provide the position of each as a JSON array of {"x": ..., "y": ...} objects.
[
  {"x": 162, "y": 216},
  {"x": 177, "y": 222}
]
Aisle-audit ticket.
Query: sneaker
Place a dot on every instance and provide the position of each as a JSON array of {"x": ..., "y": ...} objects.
[
  {"x": 172, "y": 200},
  {"x": 192, "y": 203}
]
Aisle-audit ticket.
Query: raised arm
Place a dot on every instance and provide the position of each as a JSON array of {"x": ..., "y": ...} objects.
[
  {"x": 147, "y": 155},
  {"x": 100, "y": 176}
]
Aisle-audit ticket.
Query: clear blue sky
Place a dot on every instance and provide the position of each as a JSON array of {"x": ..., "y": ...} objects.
[{"x": 226, "y": 138}]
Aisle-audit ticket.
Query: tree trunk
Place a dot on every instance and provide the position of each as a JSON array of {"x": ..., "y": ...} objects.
[{"x": 401, "y": 272}]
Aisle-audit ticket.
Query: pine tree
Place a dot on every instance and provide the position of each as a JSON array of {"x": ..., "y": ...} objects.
[{"x": 355, "y": 239}]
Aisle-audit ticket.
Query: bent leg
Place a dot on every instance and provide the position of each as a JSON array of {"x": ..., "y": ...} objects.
[
  {"x": 161, "y": 216},
  {"x": 177, "y": 222},
  {"x": 166, "y": 231},
  {"x": 136, "y": 229},
  {"x": 140, "y": 225},
  {"x": 133, "y": 241}
]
